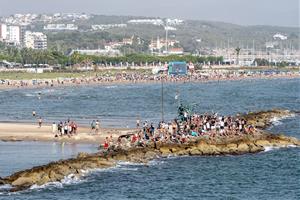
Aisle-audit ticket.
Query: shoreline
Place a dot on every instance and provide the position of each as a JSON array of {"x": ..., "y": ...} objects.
[
  {"x": 16, "y": 132},
  {"x": 129, "y": 82}
]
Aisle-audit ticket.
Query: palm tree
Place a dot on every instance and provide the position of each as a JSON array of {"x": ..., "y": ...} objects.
[{"x": 237, "y": 51}]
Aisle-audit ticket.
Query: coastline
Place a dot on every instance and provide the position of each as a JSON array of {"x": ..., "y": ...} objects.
[{"x": 128, "y": 82}]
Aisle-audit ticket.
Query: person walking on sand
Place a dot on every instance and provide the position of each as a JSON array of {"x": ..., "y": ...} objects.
[
  {"x": 93, "y": 126},
  {"x": 40, "y": 122},
  {"x": 97, "y": 126},
  {"x": 54, "y": 129}
]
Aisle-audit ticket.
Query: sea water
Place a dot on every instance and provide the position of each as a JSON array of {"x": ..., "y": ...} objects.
[{"x": 273, "y": 174}]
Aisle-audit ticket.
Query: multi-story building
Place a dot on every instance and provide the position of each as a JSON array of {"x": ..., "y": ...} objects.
[
  {"x": 160, "y": 44},
  {"x": 61, "y": 27},
  {"x": 102, "y": 27},
  {"x": 35, "y": 40},
  {"x": 13, "y": 35},
  {"x": 22, "y": 35},
  {"x": 3, "y": 32},
  {"x": 156, "y": 22}
]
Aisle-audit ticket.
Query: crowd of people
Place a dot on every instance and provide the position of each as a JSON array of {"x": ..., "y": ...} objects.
[
  {"x": 67, "y": 128},
  {"x": 185, "y": 128},
  {"x": 138, "y": 77}
]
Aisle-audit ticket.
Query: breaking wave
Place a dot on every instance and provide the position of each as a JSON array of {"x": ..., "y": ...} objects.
[
  {"x": 271, "y": 148},
  {"x": 68, "y": 180},
  {"x": 278, "y": 120}
]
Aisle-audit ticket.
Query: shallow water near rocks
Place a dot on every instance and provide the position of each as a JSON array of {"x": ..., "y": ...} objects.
[{"x": 273, "y": 174}]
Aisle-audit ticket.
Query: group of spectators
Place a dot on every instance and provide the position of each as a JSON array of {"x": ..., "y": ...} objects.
[
  {"x": 67, "y": 128},
  {"x": 185, "y": 128}
]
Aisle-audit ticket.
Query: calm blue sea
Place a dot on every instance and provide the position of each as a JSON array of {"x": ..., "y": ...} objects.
[{"x": 273, "y": 174}]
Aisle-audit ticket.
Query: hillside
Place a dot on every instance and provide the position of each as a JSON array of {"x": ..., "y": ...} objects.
[{"x": 192, "y": 34}]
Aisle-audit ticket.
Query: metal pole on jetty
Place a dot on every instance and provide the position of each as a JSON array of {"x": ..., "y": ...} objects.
[{"x": 162, "y": 99}]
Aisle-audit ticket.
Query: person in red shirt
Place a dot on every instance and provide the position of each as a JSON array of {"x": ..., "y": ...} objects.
[
  {"x": 134, "y": 138},
  {"x": 106, "y": 144}
]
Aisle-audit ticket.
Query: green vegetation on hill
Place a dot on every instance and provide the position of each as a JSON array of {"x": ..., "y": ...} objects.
[{"x": 212, "y": 34}]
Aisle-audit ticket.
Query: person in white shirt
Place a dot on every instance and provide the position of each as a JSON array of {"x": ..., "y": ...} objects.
[{"x": 54, "y": 128}]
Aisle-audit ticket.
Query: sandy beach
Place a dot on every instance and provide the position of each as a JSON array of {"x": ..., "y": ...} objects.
[
  {"x": 92, "y": 81},
  {"x": 31, "y": 132}
]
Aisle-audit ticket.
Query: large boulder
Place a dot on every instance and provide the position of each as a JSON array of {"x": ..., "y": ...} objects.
[
  {"x": 23, "y": 182},
  {"x": 54, "y": 176},
  {"x": 208, "y": 149},
  {"x": 195, "y": 151},
  {"x": 253, "y": 148},
  {"x": 149, "y": 155},
  {"x": 165, "y": 151},
  {"x": 43, "y": 180},
  {"x": 243, "y": 148},
  {"x": 232, "y": 148},
  {"x": 264, "y": 143}
]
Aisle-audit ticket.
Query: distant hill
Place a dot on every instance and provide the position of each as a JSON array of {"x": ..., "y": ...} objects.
[{"x": 192, "y": 34}]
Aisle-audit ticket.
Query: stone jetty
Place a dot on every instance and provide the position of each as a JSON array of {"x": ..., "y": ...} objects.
[{"x": 57, "y": 171}]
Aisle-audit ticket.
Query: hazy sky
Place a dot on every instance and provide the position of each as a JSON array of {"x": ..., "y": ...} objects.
[{"x": 245, "y": 12}]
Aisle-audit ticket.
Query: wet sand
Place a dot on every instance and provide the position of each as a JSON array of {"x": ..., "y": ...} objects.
[{"x": 31, "y": 132}]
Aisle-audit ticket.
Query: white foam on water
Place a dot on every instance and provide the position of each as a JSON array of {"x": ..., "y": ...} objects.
[
  {"x": 47, "y": 185},
  {"x": 156, "y": 162},
  {"x": 129, "y": 163},
  {"x": 30, "y": 95},
  {"x": 270, "y": 148},
  {"x": 68, "y": 180},
  {"x": 5, "y": 187},
  {"x": 71, "y": 179},
  {"x": 127, "y": 168},
  {"x": 112, "y": 86},
  {"x": 277, "y": 120}
]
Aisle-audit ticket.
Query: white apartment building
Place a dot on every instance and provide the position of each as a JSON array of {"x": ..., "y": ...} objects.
[
  {"x": 61, "y": 27},
  {"x": 13, "y": 35},
  {"x": 156, "y": 22},
  {"x": 35, "y": 40},
  {"x": 3, "y": 32}
]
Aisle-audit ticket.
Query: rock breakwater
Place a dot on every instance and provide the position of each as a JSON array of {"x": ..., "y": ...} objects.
[{"x": 57, "y": 171}]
